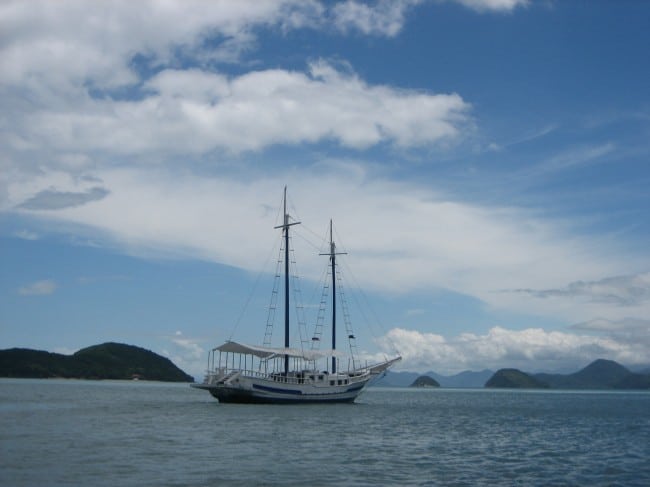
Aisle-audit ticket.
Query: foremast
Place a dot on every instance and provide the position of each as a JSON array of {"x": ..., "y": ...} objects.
[{"x": 285, "y": 233}]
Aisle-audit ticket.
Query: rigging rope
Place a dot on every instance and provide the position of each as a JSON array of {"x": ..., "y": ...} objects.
[
  {"x": 250, "y": 296},
  {"x": 270, "y": 317},
  {"x": 319, "y": 324},
  {"x": 377, "y": 320},
  {"x": 359, "y": 289}
]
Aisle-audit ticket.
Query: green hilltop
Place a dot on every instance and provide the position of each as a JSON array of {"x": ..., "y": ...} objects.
[
  {"x": 600, "y": 374},
  {"x": 514, "y": 379},
  {"x": 425, "y": 381},
  {"x": 105, "y": 361}
]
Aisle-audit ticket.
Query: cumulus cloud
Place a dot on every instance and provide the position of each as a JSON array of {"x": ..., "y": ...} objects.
[
  {"x": 531, "y": 349},
  {"x": 186, "y": 353},
  {"x": 64, "y": 350},
  {"x": 55, "y": 47},
  {"x": 38, "y": 288},
  {"x": 385, "y": 17},
  {"x": 193, "y": 111},
  {"x": 78, "y": 78},
  {"x": 97, "y": 42}
]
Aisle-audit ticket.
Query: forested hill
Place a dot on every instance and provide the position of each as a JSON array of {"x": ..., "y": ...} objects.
[
  {"x": 105, "y": 361},
  {"x": 600, "y": 374},
  {"x": 514, "y": 379},
  {"x": 425, "y": 381}
]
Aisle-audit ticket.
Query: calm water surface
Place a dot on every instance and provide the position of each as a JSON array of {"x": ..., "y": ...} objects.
[{"x": 62, "y": 432}]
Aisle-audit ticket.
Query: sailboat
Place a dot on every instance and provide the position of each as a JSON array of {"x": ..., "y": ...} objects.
[{"x": 242, "y": 373}]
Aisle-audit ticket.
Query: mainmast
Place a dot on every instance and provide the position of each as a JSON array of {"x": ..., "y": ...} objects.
[
  {"x": 285, "y": 231},
  {"x": 332, "y": 254}
]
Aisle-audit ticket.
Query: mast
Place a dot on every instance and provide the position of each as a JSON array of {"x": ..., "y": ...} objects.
[
  {"x": 332, "y": 254},
  {"x": 285, "y": 231}
]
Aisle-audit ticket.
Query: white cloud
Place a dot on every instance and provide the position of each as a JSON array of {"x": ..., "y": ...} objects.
[
  {"x": 402, "y": 237},
  {"x": 26, "y": 235},
  {"x": 190, "y": 112},
  {"x": 385, "y": 17},
  {"x": 64, "y": 350},
  {"x": 186, "y": 353},
  {"x": 493, "y": 5},
  {"x": 52, "y": 48},
  {"x": 191, "y": 350},
  {"x": 79, "y": 41},
  {"x": 38, "y": 288},
  {"x": 70, "y": 82},
  {"x": 531, "y": 350}
]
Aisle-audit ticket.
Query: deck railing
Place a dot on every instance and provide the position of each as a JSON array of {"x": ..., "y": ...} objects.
[{"x": 221, "y": 373}]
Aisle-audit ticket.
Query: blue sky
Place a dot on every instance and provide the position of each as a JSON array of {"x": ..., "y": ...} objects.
[{"x": 485, "y": 163}]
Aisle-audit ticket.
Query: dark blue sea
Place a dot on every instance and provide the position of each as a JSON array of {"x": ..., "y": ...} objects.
[{"x": 68, "y": 432}]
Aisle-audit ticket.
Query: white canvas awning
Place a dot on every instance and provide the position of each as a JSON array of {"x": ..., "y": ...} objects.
[{"x": 270, "y": 352}]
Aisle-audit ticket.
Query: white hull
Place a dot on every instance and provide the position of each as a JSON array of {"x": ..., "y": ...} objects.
[
  {"x": 239, "y": 388},
  {"x": 247, "y": 386},
  {"x": 228, "y": 394}
]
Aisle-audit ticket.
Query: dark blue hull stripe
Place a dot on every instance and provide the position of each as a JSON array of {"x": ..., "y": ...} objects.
[{"x": 277, "y": 390}]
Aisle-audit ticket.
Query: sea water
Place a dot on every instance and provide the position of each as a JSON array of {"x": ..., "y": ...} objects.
[{"x": 68, "y": 432}]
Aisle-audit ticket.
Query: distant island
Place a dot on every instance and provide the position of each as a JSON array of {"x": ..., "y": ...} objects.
[
  {"x": 600, "y": 374},
  {"x": 461, "y": 380},
  {"x": 425, "y": 381},
  {"x": 515, "y": 379},
  {"x": 105, "y": 361}
]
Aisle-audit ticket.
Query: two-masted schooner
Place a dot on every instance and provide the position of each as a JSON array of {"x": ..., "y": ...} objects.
[{"x": 241, "y": 373}]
